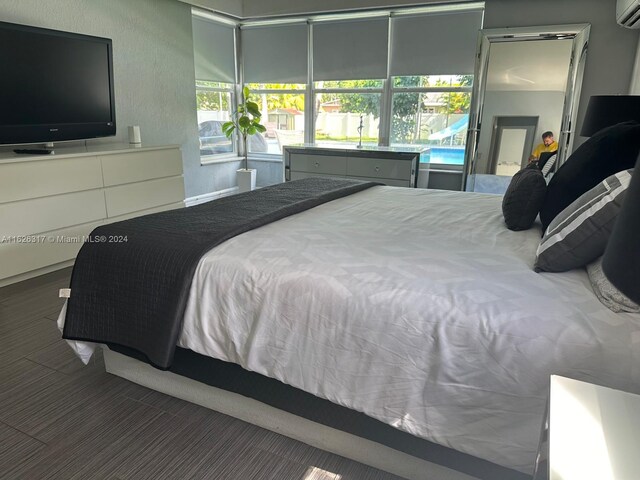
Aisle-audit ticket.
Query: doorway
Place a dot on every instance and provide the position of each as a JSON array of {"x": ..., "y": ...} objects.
[{"x": 511, "y": 143}]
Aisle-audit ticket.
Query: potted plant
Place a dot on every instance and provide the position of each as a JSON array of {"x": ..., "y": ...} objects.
[{"x": 246, "y": 121}]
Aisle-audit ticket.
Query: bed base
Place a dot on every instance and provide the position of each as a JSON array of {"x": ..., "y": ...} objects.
[
  {"x": 257, "y": 413},
  {"x": 271, "y": 404}
]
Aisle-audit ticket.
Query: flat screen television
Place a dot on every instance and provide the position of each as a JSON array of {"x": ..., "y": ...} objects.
[{"x": 54, "y": 86}]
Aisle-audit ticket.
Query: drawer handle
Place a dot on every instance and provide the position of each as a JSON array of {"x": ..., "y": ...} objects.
[
  {"x": 377, "y": 169},
  {"x": 317, "y": 164}
]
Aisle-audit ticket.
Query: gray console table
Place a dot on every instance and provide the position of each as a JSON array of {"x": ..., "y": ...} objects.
[{"x": 388, "y": 165}]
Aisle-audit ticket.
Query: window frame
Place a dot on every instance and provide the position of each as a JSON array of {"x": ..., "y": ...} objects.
[
  {"x": 224, "y": 156},
  {"x": 435, "y": 89},
  {"x": 363, "y": 90},
  {"x": 311, "y": 89},
  {"x": 265, "y": 156}
]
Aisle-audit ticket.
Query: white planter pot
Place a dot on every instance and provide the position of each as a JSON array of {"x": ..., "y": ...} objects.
[{"x": 246, "y": 180}]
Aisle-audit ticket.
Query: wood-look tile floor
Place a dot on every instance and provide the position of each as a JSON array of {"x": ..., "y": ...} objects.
[{"x": 60, "y": 419}]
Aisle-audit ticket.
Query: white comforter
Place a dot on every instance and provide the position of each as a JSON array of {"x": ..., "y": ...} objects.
[{"x": 416, "y": 307}]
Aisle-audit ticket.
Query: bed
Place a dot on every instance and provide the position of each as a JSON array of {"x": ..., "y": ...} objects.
[{"x": 416, "y": 308}]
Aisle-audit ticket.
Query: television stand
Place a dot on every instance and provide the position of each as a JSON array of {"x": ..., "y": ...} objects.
[
  {"x": 34, "y": 151},
  {"x": 50, "y": 203}
]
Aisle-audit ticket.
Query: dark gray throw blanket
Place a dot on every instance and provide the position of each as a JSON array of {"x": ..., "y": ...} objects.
[{"x": 131, "y": 280}]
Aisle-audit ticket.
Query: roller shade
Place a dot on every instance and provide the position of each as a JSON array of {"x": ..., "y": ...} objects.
[
  {"x": 213, "y": 49},
  {"x": 350, "y": 50},
  {"x": 435, "y": 44},
  {"x": 275, "y": 54}
]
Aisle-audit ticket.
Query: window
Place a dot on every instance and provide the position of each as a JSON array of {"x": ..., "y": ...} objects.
[
  {"x": 215, "y": 78},
  {"x": 336, "y": 79},
  {"x": 433, "y": 111},
  {"x": 214, "y": 104},
  {"x": 282, "y": 107},
  {"x": 341, "y": 105}
]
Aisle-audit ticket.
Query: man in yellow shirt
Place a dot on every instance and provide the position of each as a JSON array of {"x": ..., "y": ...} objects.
[{"x": 548, "y": 145}]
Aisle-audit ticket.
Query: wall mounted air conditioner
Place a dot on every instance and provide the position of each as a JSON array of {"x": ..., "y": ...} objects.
[{"x": 628, "y": 13}]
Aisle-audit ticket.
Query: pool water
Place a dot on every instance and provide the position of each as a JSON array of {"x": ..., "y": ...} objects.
[{"x": 446, "y": 155}]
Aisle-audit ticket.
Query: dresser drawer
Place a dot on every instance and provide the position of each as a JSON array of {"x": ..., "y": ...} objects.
[
  {"x": 27, "y": 180},
  {"x": 121, "y": 168},
  {"x": 135, "y": 197},
  {"x": 51, "y": 248},
  {"x": 379, "y": 168},
  {"x": 334, "y": 165},
  {"x": 56, "y": 212},
  {"x": 301, "y": 175}
]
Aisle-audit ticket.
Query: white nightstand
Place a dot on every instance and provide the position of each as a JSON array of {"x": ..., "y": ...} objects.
[{"x": 593, "y": 433}]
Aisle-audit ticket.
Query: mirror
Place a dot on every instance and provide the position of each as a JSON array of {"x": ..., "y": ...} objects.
[{"x": 527, "y": 83}]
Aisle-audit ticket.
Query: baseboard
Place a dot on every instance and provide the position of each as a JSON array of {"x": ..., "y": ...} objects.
[
  {"x": 35, "y": 273},
  {"x": 207, "y": 197}
]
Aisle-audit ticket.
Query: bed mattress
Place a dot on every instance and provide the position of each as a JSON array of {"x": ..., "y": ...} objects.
[{"x": 416, "y": 307}]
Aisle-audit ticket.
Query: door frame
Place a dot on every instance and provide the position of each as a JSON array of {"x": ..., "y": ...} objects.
[{"x": 502, "y": 122}]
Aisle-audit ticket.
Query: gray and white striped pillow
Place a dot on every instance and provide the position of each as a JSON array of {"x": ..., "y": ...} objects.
[
  {"x": 607, "y": 293},
  {"x": 578, "y": 235},
  {"x": 549, "y": 165}
]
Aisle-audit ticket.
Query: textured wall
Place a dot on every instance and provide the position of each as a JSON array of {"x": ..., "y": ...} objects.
[{"x": 153, "y": 66}]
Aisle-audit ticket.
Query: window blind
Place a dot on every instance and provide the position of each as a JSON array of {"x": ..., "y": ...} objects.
[
  {"x": 435, "y": 44},
  {"x": 214, "y": 50},
  {"x": 350, "y": 50},
  {"x": 275, "y": 54}
]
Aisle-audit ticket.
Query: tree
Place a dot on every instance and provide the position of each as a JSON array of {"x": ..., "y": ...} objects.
[
  {"x": 245, "y": 121},
  {"x": 405, "y": 111},
  {"x": 277, "y": 101},
  {"x": 212, "y": 101},
  {"x": 363, "y": 103},
  {"x": 458, "y": 102}
]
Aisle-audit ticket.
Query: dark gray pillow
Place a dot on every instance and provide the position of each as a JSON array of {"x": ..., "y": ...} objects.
[
  {"x": 611, "y": 150},
  {"x": 579, "y": 233},
  {"x": 523, "y": 198}
]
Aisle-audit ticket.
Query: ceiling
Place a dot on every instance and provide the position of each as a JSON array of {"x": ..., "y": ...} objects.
[{"x": 533, "y": 65}]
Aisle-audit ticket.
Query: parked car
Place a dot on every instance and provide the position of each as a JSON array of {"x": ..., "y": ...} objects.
[{"x": 213, "y": 141}]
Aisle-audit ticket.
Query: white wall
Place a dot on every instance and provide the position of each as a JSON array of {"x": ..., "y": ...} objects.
[
  {"x": 153, "y": 66},
  {"x": 545, "y": 105}
]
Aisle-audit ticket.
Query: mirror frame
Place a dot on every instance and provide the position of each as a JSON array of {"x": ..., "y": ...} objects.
[{"x": 579, "y": 33}]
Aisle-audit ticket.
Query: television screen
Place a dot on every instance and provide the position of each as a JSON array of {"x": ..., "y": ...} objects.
[{"x": 54, "y": 85}]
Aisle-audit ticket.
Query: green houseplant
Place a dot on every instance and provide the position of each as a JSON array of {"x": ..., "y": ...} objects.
[{"x": 246, "y": 121}]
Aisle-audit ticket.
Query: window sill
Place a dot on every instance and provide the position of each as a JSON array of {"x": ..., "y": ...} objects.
[
  {"x": 223, "y": 158},
  {"x": 262, "y": 157},
  {"x": 228, "y": 158}
]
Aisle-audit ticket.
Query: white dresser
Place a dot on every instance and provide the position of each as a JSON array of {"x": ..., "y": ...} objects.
[
  {"x": 49, "y": 202},
  {"x": 388, "y": 165}
]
